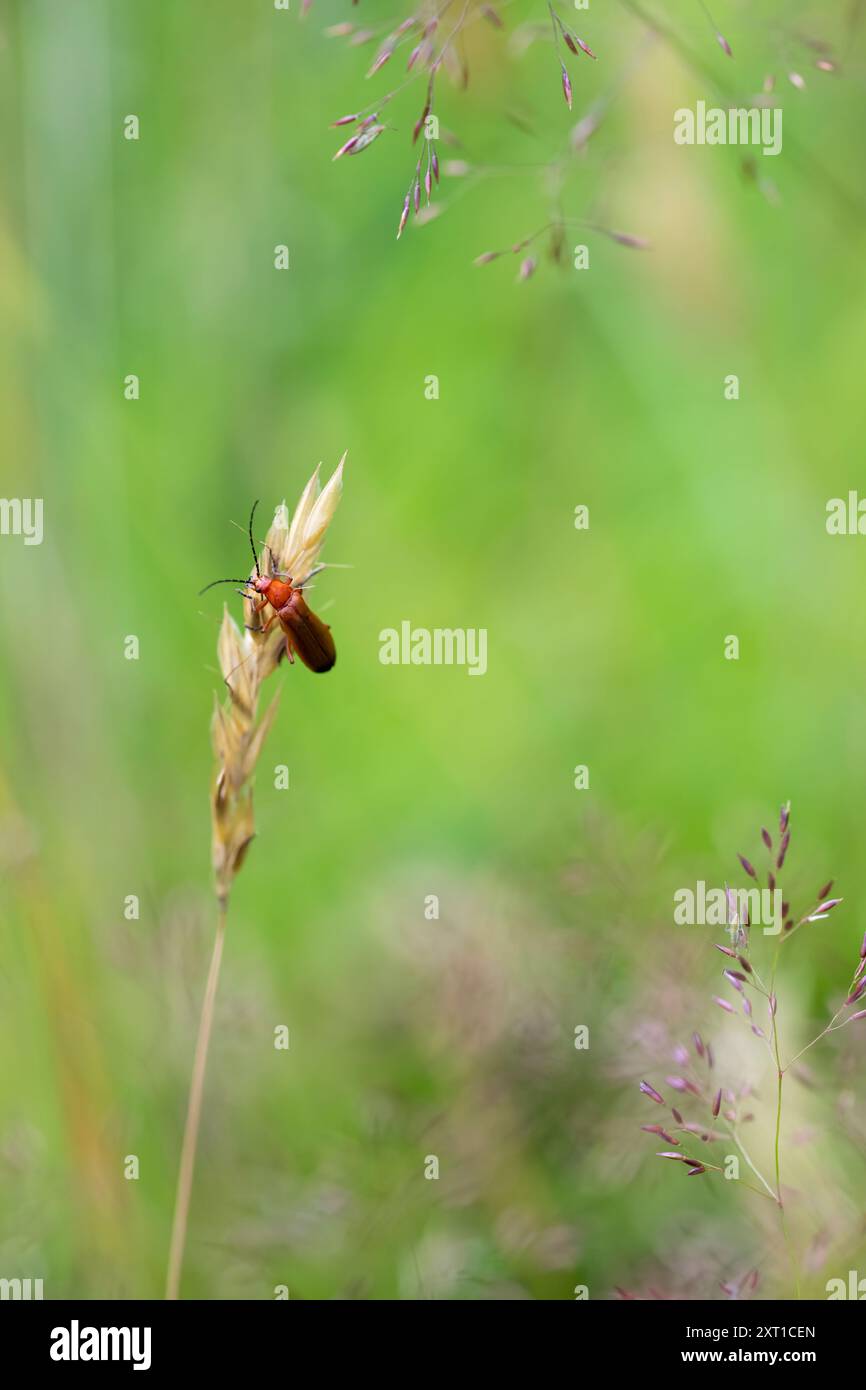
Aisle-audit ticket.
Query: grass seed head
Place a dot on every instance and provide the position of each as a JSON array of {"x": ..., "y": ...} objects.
[{"x": 246, "y": 659}]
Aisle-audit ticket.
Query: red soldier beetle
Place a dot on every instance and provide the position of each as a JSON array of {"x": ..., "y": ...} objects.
[{"x": 305, "y": 633}]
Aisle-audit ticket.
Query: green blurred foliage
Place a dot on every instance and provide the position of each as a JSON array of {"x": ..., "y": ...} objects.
[{"x": 603, "y": 387}]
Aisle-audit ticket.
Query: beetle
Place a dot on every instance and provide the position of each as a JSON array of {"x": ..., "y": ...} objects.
[{"x": 305, "y": 633}]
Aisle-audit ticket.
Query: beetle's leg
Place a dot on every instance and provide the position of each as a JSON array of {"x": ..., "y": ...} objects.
[
  {"x": 262, "y": 630},
  {"x": 290, "y": 650},
  {"x": 227, "y": 679}
]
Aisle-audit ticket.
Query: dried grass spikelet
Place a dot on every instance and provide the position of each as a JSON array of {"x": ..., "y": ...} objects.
[{"x": 246, "y": 660}]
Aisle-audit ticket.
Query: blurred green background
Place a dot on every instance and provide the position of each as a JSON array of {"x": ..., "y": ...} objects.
[{"x": 601, "y": 387}]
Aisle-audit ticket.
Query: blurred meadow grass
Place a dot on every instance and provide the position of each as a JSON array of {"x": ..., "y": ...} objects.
[{"x": 411, "y": 1037}]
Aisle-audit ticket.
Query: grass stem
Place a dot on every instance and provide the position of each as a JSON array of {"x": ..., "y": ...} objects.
[{"x": 193, "y": 1114}]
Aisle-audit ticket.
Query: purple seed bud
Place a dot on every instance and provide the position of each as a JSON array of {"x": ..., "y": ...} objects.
[
  {"x": 699, "y": 1044},
  {"x": 637, "y": 243},
  {"x": 771, "y": 1006},
  {"x": 681, "y": 1055},
  {"x": 435, "y": 165},
  {"x": 860, "y": 1014},
  {"x": 428, "y": 183},
  {"x": 783, "y": 849},
  {"x": 771, "y": 882},
  {"x": 416, "y": 194},
  {"x": 358, "y": 142},
  {"x": 856, "y": 993},
  {"x": 345, "y": 120},
  {"x": 527, "y": 268},
  {"x": 717, "y": 1102},
  {"x": 650, "y": 1091},
  {"x": 863, "y": 948},
  {"x": 661, "y": 1132},
  {"x": 404, "y": 215},
  {"x": 584, "y": 47},
  {"x": 747, "y": 1007},
  {"x": 785, "y": 813},
  {"x": 380, "y": 60},
  {"x": 827, "y": 906},
  {"x": 725, "y": 950},
  {"x": 723, "y": 1004},
  {"x": 566, "y": 85},
  {"x": 698, "y": 1168},
  {"x": 676, "y": 1114},
  {"x": 745, "y": 964},
  {"x": 766, "y": 837},
  {"x": 348, "y": 147},
  {"x": 680, "y": 1158},
  {"x": 747, "y": 866},
  {"x": 710, "y": 1058},
  {"x": 723, "y": 44},
  {"x": 825, "y": 891}
]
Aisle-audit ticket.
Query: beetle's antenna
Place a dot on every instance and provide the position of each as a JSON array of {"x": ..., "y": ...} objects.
[
  {"x": 252, "y": 542},
  {"x": 223, "y": 581}
]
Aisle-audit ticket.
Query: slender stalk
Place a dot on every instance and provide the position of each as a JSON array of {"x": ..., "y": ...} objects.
[
  {"x": 757, "y": 1172},
  {"x": 193, "y": 1114},
  {"x": 780, "y": 1073}
]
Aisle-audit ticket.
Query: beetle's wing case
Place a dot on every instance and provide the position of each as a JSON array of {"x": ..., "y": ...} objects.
[{"x": 309, "y": 636}]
